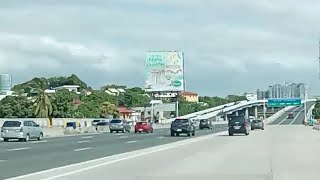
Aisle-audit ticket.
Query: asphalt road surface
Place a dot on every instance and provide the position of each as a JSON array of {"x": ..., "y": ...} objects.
[
  {"x": 298, "y": 116},
  {"x": 277, "y": 153},
  {"x": 18, "y": 158}
]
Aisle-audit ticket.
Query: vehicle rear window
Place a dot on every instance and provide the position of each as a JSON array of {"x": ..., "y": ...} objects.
[
  {"x": 203, "y": 120},
  {"x": 102, "y": 123},
  {"x": 142, "y": 123},
  {"x": 234, "y": 119},
  {"x": 96, "y": 120},
  {"x": 69, "y": 124},
  {"x": 11, "y": 124},
  {"x": 256, "y": 121},
  {"x": 181, "y": 121},
  {"x": 116, "y": 121}
]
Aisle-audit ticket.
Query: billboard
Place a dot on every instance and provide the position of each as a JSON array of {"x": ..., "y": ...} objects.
[{"x": 164, "y": 71}]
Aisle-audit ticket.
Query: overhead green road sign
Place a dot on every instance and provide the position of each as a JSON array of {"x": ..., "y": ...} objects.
[{"x": 284, "y": 102}]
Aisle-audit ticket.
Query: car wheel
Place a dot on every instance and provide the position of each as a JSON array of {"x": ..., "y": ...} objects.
[
  {"x": 189, "y": 133},
  {"x": 177, "y": 134},
  {"x": 123, "y": 131},
  {"x": 262, "y": 129},
  {"x": 172, "y": 133},
  {"x": 252, "y": 129},
  {"x": 6, "y": 139},
  {"x": 111, "y": 132},
  {"x": 230, "y": 134},
  {"x": 151, "y": 131},
  {"x": 193, "y": 133},
  {"x": 40, "y": 137},
  {"x": 27, "y": 138},
  {"x": 135, "y": 131},
  {"x": 247, "y": 133}
]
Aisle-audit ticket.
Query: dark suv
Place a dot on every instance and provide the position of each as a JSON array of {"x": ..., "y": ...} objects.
[
  {"x": 205, "y": 124},
  {"x": 182, "y": 126},
  {"x": 238, "y": 124}
]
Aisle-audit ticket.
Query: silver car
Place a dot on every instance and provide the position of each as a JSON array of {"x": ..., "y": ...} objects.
[
  {"x": 119, "y": 125},
  {"x": 24, "y": 130}
]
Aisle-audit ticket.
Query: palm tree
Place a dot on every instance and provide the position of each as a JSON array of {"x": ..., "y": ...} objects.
[
  {"x": 108, "y": 109},
  {"x": 43, "y": 104}
]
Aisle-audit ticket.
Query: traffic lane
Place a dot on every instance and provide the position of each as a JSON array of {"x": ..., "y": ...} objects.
[
  {"x": 295, "y": 114},
  {"x": 73, "y": 143},
  {"x": 69, "y": 139},
  {"x": 283, "y": 116},
  {"x": 272, "y": 154},
  {"x": 298, "y": 116},
  {"x": 55, "y": 157}
]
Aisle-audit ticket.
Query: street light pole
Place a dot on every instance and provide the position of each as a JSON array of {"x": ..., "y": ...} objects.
[
  {"x": 264, "y": 108},
  {"x": 305, "y": 104}
]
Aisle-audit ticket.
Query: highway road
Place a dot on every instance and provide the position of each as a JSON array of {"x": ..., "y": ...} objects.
[
  {"x": 298, "y": 114},
  {"x": 277, "y": 153},
  {"x": 18, "y": 158}
]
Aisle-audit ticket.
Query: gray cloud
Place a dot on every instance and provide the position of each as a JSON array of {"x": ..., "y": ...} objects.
[{"x": 231, "y": 46}]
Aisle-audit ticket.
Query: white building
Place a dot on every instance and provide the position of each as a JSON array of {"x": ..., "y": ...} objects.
[{"x": 114, "y": 91}]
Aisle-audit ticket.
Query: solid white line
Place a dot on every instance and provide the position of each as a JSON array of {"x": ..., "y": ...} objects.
[
  {"x": 129, "y": 142},
  {"x": 80, "y": 142},
  {"x": 287, "y": 117},
  {"x": 2, "y": 161},
  {"x": 160, "y": 137},
  {"x": 122, "y": 137},
  {"x": 19, "y": 149},
  {"x": 296, "y": 116},
  {"x": 120, "y": 157},
  {"x": 36, "y": 142},
  {"x": 82, "y": 149},
  {"x": 87, "y": 137}
]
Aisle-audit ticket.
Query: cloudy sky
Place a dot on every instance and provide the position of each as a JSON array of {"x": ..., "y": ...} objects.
[{"x": 230, "y": 46}]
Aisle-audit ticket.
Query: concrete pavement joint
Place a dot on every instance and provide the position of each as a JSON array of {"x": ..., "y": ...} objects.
[
  {"x": 82, "y": 149},
  {"x": 95, "y": 163},
  {"x": 19, "y": 149}
]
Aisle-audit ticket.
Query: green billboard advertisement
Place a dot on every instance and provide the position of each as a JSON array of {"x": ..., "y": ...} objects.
[{"x": 164, "y": 71}]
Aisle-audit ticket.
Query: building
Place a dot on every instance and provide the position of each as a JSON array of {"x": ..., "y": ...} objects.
[
  {"x": 5, "y": 83},
  {"x": 190, "y": 96},
  {"x": 74, "y": 88},
  {"x": 114, "y": 91},
  {"x": 125, "y": 113},
  {"x": 285, "y": 90},
  {"x": 262, "y": 94}
]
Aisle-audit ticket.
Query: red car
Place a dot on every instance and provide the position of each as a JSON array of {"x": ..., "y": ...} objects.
[
  {"x": 290, "y": 116},
  {"x": 143, "y": 127}
]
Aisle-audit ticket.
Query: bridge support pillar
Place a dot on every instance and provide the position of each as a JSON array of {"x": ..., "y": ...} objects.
[
  {"x": 237, "y": 113},
  {"x": 226, "y": 117},
  {"x": 247, "y": 113},
  {"x": 256, "y": 112}
]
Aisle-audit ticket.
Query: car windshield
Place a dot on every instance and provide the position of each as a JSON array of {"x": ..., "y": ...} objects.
[
  {"x": 116, "y": 121},
  {"x": 142, "y": 123},
  {"x": 12, "y": 124},
  {"x": 69, "y": 124},
  {"x": 203, "y": 120},
  {"x": 101, "y": 124},
  {"x": 181, "y": 121},
  {"x": 96, "y": 120},
  {"x": 234, "y": 119},
  {"x": 256, "y": 121}
]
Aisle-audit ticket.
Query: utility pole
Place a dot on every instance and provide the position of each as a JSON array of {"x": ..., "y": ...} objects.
[{"x": 319, "y": 59}]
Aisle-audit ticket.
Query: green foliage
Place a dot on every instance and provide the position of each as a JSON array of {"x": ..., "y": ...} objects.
[
  {"x": 133, "y": 98},
  {"x": 316, "y": 110},
  {"x": 16, "y": 107},
  {"x": 113, "y": 86},
  {"x": 108, "y": 109},
  {"x": 62, "y": 104},
  {"x": 43, "y": 83}
]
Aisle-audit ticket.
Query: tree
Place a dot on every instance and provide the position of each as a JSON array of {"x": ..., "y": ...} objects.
[
  {"x": 43, "y": 105},
  {"x": 108, "y": 109},
  {"x": 16, "y": 107},
  {"x": 62, "y": 104}
]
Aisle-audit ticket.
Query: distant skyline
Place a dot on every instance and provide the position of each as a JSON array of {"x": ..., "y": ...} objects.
[{"x": 230, "y": 46}]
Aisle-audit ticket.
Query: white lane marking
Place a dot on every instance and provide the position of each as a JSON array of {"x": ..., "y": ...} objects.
[
  {"x": 297, "y": 116},
  {"x": 130, "y": 142},
  {"x": 81, "y": 142},
  {"x": 82, "y": 149},
  {"x": 122, "y": 137},
  {"x": 160, "y": 137},
  {"x": 2, "y": 161},
  {"x": 87, "y": 137},
  {"x": 287, "y": 117},
  {"x": 118, "y": 158},
  {"x": 37, "y": 142},
  {"x": 19, "y": 149}
]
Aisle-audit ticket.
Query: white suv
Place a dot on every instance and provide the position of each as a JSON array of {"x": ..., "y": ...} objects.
[{"x": 24, "y": 130}]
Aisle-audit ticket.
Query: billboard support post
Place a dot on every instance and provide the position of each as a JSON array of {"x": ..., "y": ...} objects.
[{"x": 177, "y": 108}]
